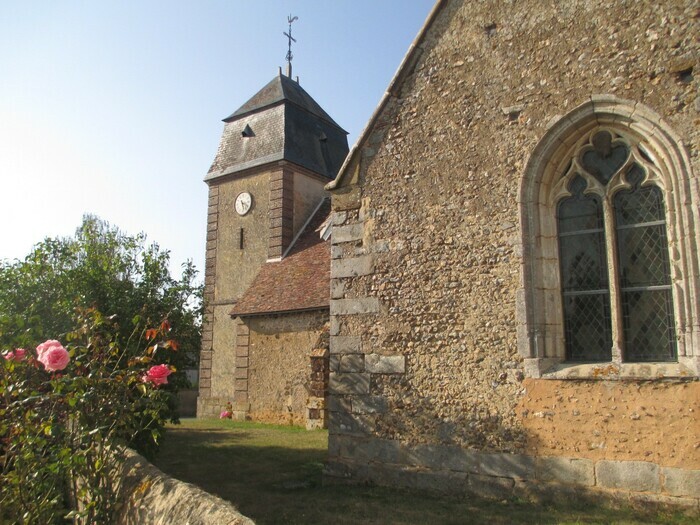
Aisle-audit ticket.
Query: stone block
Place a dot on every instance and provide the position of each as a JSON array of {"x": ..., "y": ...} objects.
[
  {"x": 334, "y": 326},
  {"x": 681, "y": 482},
  {"x": 350, "y": 424},
  {"x": 636, "y": 476},
  {"x": 369, "y": 405},
  {"x": 339, "y": 404},
  {"x": 337, "y": 289},
  {"x": 352, "y": 267},
  {"x": 364, "y": 305},
  {"x": 346, "y": 344},
  {"x": 347, "y": 233},
  {"x": 334, "y": 363},
  {"x": 507, "y": 465},
  {"x": 352, "y": 363},
  {"x": 565, "y": 470},
  {"x": 366, "y": 450},
  {"x": 316, "y": 402},
  {"x": 346, "y": 198},
  {"x": 349, "y": 383},
  {"x": 385, "y": 364},
  {"x": 339, "y": 218}
]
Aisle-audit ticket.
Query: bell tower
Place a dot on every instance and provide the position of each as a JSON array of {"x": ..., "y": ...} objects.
[{"x": 276, "y": 154}]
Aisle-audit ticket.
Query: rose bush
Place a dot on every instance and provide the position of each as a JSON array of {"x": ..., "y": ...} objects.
[{"x": 63, "y": 436}]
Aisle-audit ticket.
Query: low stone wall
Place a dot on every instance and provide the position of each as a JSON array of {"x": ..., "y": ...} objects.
[
  {"x": 453, "y": 470},
  {"x": 147, "y": 496}
]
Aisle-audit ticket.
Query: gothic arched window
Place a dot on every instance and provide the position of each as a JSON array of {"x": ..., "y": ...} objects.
[{"x": 611, "y": 273}]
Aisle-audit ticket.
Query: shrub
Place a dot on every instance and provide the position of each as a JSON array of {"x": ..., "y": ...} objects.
[{"x": 67, "y": 414}]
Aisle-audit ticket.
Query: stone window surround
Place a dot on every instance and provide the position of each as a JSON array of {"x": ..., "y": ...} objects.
[{"x": 540, "y": 318}]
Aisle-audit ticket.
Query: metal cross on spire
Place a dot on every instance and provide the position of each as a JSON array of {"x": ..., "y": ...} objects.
[{"x": 290, "y": 39}]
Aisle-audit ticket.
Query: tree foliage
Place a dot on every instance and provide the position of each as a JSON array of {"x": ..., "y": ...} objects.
[{"x": 121, "y": 276}]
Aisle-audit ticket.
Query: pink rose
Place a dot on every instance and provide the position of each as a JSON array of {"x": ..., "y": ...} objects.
[
  {"x": 158, "y": 375},
  {"x": 18, "y": 354},
  {"x": 52, "y": 355}
]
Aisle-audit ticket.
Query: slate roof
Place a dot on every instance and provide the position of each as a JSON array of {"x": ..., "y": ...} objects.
[
  {"x": 281, "y": 88},
  {"x": 300, "y": 281},
  {"x": 286, "y": 124}
]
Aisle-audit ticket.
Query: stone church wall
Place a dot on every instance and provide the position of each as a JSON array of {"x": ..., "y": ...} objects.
[
  {"x": 279, "y": 365},
  {"x": 428, "y": 386}
]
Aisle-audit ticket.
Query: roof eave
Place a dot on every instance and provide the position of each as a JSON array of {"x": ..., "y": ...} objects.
[{"x": 279, "y": 312}]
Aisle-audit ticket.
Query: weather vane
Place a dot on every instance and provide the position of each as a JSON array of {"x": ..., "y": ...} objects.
[{"x": 290, "y": 39}]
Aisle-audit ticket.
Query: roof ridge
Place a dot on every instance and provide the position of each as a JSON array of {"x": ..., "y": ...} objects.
[{"x": 278, "y": 90}]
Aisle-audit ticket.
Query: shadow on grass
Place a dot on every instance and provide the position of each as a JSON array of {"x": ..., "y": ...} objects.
[{"x": 273, "y": 475}]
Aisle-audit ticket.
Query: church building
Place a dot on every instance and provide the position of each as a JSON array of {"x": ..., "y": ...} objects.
[{"x": 504, "y": 298}]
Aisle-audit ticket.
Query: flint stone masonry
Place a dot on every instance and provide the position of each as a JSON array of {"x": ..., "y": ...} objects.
[
  {"x": 366, "y": 305},
  {"x": 385, "y": 364},
  {"x": 352, "y": 267},
  {"x": 637, "y": 476}
]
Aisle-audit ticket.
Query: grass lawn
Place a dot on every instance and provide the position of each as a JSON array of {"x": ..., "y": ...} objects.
[{"x": 273, "y": 475}]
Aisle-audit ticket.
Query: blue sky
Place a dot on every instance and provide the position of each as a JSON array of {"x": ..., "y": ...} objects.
[{"x": 114, "y": 107}]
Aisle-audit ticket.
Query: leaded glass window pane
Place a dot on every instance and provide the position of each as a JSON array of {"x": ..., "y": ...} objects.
[
  {"x": 644, "y": 272},
  {"x": 587, "y": 327},
  {"x": 584, "y": 276},
  {"x": 648, "y": 325}
]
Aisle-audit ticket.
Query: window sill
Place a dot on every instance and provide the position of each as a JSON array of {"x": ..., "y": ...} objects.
[{"x": 557, "y": 369}]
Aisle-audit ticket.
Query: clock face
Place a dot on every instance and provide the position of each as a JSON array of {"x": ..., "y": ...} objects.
[{"x": 243, "y": 203}]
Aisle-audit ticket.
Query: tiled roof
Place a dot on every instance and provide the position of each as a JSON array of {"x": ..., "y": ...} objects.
[{"x": 300, "y": 281}]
